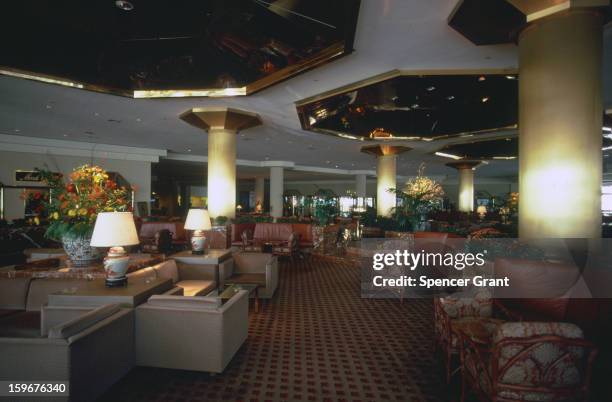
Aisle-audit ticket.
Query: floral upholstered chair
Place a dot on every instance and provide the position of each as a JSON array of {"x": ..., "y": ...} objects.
[
  {"x": 473, "y": 304},
  {"x": 529, "y": 361}
]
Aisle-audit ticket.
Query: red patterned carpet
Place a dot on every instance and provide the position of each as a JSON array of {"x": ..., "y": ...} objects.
[{"x": 317, "y": 340}]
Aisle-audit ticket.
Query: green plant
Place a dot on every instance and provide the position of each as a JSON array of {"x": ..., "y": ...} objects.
[
  {"x": 325, "y": 205},
  {"x": 220, "y": 220}
]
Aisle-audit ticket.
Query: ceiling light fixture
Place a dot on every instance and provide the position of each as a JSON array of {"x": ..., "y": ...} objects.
[
  {"x": 445, "y": 155},
  {"x": 485, "y": 99},
  {"x": 482, "y": 78},
  {"x": 124, "y": 5},
  {"x": 431, "y": 88},
  {"x": 450, "y": 97},
  {"x": 510, "y": 77},
  {"x": 608, "y": 129},
  {"x": 504, "y": 158}
]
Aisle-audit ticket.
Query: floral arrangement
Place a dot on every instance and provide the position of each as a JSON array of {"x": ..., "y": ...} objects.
[
  {"x": 419, "y": 196},
  {"x": 74, "y": 206}
]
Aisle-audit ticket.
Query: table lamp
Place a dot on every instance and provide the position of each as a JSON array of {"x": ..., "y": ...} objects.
[
  {"x": 115, "y": 230},
  {"x": 481, "y": 211},
  {"x": 198, "y": 220}
]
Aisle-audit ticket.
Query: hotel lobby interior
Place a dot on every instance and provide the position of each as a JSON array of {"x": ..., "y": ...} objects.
[{"x": 211, "y": 200}]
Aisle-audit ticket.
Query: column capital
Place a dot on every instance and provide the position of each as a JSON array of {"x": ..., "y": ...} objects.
[
  {"x": 221, "y": 118},
  {"x": 461, "y": 165},
  {"x": 384, "y": 150}
]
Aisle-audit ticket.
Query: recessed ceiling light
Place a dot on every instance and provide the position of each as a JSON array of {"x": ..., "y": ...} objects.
[
  {"x": 431, "y": 88},
  {"x": 188, "y": 149},
  {"x": 414, "y": 105},
  {"x": 337, "y": 166},
  {"x": 482, "y": 78},
  {"x": 96, "y": 114},
  {"x": 327, "y": 162},
  {"x": 450, "y": 97},
  {"x": 485, "y": 99},
  {"x": 510, "y": 77},
  {"x": 49, "y": 107},
  {"x": 138, "y": 119},
  {"x": 124, "y": 5},
  {"x": 65, "y": 135},
  {"x": 17, "y": 130}
]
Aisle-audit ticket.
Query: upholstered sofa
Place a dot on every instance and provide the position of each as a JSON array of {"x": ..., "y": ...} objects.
[
  {"x": 91, "y": 351},
  {"x": 191, "y": 333},
  {"x": 148, "y": 231},
  {"x": 258, "y": 233},
  {"x": 258, "y": 268},
  {"x": 21, "y": 300}
]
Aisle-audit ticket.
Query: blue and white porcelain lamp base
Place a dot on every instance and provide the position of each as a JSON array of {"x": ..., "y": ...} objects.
[{"x": 198, "y": 241}]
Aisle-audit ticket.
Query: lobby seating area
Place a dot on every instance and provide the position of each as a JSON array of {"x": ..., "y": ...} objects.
[{"x": 306, "y": 200}]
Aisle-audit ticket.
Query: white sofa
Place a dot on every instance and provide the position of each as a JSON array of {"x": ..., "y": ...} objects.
[{"x": 191, "y": 333}]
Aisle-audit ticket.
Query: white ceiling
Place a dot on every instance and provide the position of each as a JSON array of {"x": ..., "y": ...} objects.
[{"x": 391, "y": 34}]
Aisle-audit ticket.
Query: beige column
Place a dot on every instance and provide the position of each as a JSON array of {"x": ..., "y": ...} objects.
[
  {"x": 276, "y": 191},
  {"x": 222, "y": 125},
  {"x": 560, "y": 120},
  {"x": 260, "y": 190},
  {"x": 386, "y": 175},
  {"x": 465, "y": 200}
]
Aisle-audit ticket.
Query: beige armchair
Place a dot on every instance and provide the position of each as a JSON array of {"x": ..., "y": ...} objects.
[
  {"x": 91, "y": 351},
  {"x": 191, "y": 333},
  {"x": 254, "y": 268}
]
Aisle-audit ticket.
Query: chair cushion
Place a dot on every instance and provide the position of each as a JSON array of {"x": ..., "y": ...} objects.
[
  {"x": 79, "y": 324},
  {"x": 196, "y": 287},
  {"x": 167, "y": 269},
  {"x": 190, "y": 302},
  {"x": 13, "y": 293}
]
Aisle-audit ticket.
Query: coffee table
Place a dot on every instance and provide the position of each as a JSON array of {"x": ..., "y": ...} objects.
[
  {"x": 95, "y": 294},
  {"x": 232, "y": 289}
]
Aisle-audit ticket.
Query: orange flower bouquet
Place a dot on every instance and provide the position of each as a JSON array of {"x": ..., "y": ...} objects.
[{"x": 74, "y": 206}]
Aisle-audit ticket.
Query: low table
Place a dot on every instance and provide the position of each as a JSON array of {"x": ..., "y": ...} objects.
[
  {"x": 211, "y": 257},
  {"x": 95, "y": 294},
  {"x": 231, "y": 290}
]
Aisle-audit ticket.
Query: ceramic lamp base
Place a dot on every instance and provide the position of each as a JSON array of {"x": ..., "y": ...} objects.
[
  {"x": 197, "y": 242},
  {"x": 116, "y": 265}
]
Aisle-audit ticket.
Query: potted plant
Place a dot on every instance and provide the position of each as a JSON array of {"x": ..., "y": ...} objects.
[
  {"x": 73, "y": 207},
  {"x": 419, "y": 196}
]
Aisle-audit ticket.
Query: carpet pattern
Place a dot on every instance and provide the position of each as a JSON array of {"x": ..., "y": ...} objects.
[{"x": 316, "y": 340}]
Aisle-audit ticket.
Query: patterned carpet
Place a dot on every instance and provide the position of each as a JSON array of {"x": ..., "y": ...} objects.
[{"x": 316, "y": 340}]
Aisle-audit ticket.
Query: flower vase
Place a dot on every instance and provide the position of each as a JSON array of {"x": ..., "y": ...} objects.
[{"x": 80, "y": 252}]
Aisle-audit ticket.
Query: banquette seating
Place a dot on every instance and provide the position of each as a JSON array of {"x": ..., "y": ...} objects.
[{"x": 285, "y": 238}]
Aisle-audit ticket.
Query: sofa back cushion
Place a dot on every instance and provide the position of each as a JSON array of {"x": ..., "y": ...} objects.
[
  {"x": 79, "y": 324},
  {"x": 187, "y": 302},
  {"x": 304, "y": 230},
  {"x": 13, "y": 293},
  {"x": 167, "y": 269},
  {"x": 239, "y": 228},
  {"x": 40, "y": 289},
  {"x": 142, "y": 275},
  {"x": 272, "y": 231}
]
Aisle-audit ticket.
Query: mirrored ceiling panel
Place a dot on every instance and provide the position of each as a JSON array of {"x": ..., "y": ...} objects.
[
  {"x": 172, "y": 46},
  {"x": 423, "y": 107}
]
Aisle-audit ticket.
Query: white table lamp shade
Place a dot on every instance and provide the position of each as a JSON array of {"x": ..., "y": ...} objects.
[
  {"x": 114, "y": 229},
  {"x": 198, "y": 219}
]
